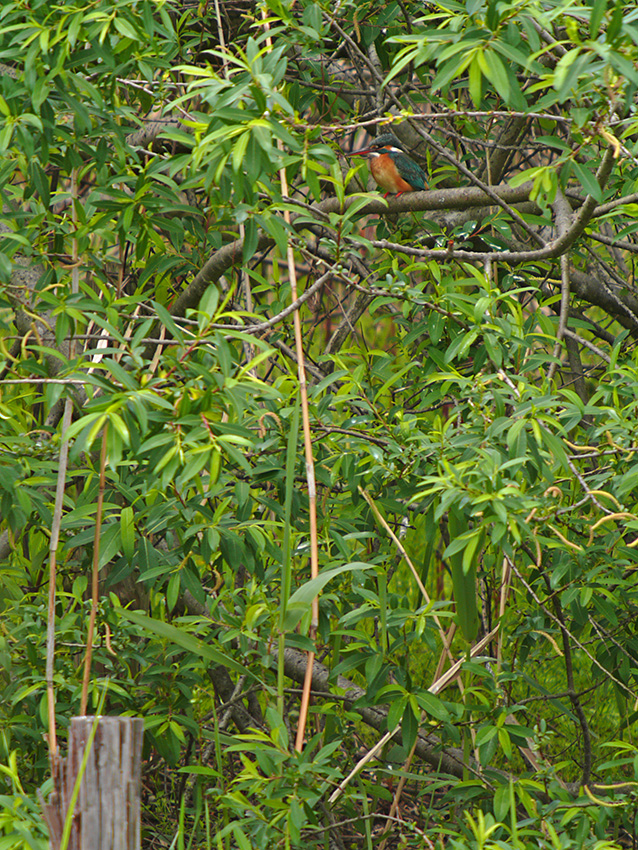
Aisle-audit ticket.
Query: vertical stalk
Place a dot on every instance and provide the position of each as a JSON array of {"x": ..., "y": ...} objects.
[
  {"x": 310, "y": 473},
  {"x": 310, "y": 464},
  {"x": 286, "y": 571},
  {"x": 57, "y": 510},
  {"x": 53, "y": 548},
  {"x": 94, "y": 576}
]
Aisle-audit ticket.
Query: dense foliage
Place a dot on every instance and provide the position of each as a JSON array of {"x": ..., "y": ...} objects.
[{"x": 174, "y": 191}]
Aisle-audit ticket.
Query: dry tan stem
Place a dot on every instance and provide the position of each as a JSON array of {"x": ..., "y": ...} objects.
[
  {"x": 445, "y": 652},
  {"x": 404, "y": 554},
  {"x": 505, "y": 587},
  {"x": 397, "y": 795}
]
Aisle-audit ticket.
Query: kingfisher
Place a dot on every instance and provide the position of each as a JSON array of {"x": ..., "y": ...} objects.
[{"x": 391, "y": 167}]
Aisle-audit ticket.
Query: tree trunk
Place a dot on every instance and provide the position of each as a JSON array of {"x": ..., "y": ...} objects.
[{"x": 106, "y": 814}]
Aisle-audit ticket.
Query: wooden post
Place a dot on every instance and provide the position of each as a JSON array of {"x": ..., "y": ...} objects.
[{"x": 107, "y": 814}]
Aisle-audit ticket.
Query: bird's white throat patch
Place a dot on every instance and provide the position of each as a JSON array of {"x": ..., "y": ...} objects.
[{"x": 386, "y": 149}]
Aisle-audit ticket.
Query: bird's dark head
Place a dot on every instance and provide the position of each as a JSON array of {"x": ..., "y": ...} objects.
[{"x": 387, "y": 142}]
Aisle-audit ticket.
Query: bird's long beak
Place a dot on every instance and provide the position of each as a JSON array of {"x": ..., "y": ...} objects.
[{"x": 361, "y": 152}]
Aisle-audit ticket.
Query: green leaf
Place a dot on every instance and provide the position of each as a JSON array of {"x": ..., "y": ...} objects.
[
  {"x": 569, "y": 72},
  {"x": 393, "y": 379},
  {"x": 126, "y": 29},
  {"x": 409, "y": 727},
  {"x": 417, "y": 54},
  {"x": 92, "y": 422},
  {"x": 301, "y": 599},
  {"x": 172, "y": 591},
  {"x": 463, "y": 581},
  {"x": 502, "y": 802},
  {"x": 167, "y": 320},
  {"x": 277, "y": 229},
  {"x": 109, "y": 543},
  {"x": 505, "y": 742},
  {"x": 484, "y": 734},
  {"x": 210, "y": 300},
  {"x": 475, "y": 82},
  {"x": 587, "y": 180},
  {"x": 452, "y": 69},
  {"x": 433, "y": 706},
  {"x": 239, "y": 150},
  {"x": 127, "y": 532},
  {"x": 598, "y": 10},
  {"x": 513, "y": 54},
  {"x": 493, "y": 68}
]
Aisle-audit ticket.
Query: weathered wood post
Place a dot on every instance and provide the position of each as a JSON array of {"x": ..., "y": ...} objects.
[{"x": 107, "y": 813}]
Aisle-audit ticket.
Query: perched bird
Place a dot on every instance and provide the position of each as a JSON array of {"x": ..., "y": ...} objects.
[{"x": 391, "y": 167}]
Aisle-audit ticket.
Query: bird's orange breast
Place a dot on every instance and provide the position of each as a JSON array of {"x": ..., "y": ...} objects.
[{"x": 385, "y": 173}]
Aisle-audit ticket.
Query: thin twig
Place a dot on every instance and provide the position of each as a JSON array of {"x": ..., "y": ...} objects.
[
  {"x": 382, "y": 521},
  {"x": 587, "y": 344},
  {"x": 506, "y": 580}
]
